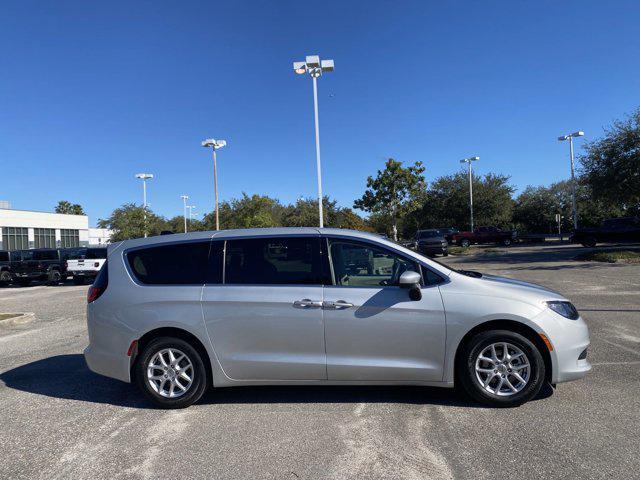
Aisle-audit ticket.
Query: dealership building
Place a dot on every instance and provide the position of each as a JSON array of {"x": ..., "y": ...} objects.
[{"x": 22, "y": 229}]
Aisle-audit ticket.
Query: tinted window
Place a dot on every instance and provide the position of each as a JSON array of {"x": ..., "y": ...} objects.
[
  {"x": 429, "y": 234},
  {"x": 95, "y": 253},
  {"x": 4, "y": 256},
  {"x": 273, "y": 261},
  {"x": 175, "y": 264},
  {"x": 363, "y": 265},
  {"x": 45, "y": 255}
]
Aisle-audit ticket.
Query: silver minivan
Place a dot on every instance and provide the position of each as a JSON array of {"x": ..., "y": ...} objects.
[{"x": 180, "y": 313}]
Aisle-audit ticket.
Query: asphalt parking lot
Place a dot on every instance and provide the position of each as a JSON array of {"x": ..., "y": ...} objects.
[{"x": 59, "y": 420}]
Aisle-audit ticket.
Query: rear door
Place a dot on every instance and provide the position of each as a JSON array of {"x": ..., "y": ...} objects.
[
  {"x": 265, "y": 318},
  {"x": 373, "y": 330}
]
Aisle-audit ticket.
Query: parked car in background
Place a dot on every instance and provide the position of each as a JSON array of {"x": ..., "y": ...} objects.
[
  {"x": 86, "y": 263},
  {"x": 44, "y": 264},
  {"x": 431, "y": 242},
  {"x": 448, "y": 233},
  {"x": 612, "y": 230},
  {"x": 482, "y": 235},
  {"x": 178, "y": 314},
  {"x": 5, "y": 270}
]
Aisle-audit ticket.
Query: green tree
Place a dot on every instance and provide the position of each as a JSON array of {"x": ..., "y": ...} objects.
[
  {"x": 129, "y": 221},
  {"x": 611, "y": 165},
  {"x": 176, "y": 224},
  {"x": 256, "y": 211},
  {"x": 395, "y": 191},
  {"x": 304, "y": 213},
  {"x": 446, "y": 203},
  {"x": 68, "y": 208}
]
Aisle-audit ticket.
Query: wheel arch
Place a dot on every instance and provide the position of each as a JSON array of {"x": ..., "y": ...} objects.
[
  {"x": 176, "y": 333},
  {"x": 514, "y": 326}
]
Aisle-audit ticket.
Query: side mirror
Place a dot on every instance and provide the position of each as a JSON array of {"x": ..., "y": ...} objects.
[{"x": 411, "y": 281}]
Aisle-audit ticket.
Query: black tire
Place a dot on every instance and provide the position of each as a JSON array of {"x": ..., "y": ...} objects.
[
  {"x": 466, "y": 373},
  {"x": 445, "y": 254},
  {"x": 506, "y": 242},
  {"x": 589, "y": 242},
  {"x": 78, "y": 280},
  {"x": 23, "y": 282},
  {"x": 465, "y": 243},
  {"x": 198, "y": 385},
  {"x": 5, "y": 277},
  {"x": 54, "y": 277}
]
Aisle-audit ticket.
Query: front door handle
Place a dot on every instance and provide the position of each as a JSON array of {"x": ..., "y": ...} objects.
[
  {"x": 338, "y": 305},
  {"x": 307, "y": 303}
]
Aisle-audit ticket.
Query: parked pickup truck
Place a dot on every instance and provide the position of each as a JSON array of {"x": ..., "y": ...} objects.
[
  {"x": 46, "y": 264},
  {"x": 5, "y": 271},
  {"x": 86, "y": 263},
  {"x": 612, "y": 230},
  {"x": 485, "y": 235}
]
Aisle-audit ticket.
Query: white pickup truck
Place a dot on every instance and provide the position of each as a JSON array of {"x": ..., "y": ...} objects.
[{"x": 86, "y": 263}]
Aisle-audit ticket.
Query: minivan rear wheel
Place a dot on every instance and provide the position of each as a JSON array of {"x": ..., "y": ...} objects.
[
  {"x": 170, "y": 372},
  {"x": 501, "y": 368}
]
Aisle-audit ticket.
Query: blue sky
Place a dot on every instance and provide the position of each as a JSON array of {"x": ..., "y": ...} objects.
[{"x": 93, "y": 92}]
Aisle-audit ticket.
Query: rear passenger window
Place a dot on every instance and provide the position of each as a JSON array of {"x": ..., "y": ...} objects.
[
  {"x": 273, "y": 261},
  {"x": 174, "y": 264}
]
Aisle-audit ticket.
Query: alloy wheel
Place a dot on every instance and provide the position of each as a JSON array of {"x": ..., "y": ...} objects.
[
  {"x": 502, "y": 369},
  {"x": 170, "y": 373}
]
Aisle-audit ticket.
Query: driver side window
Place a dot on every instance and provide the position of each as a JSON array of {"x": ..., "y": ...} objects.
[{"x": 358, "y": 264}]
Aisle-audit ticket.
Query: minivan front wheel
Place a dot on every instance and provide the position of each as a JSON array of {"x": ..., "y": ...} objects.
[
  {"x": 171, "y": 373},
  {"x": 501, "y": 368}
]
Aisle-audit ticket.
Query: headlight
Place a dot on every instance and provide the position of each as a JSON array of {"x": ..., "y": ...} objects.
[{"x": 566, "y": 309}]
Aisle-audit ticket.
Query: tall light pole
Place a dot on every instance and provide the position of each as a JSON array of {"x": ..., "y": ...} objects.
[
  {"x": 315, "y": 67},
  {"x": 191, "y": 214},
  {"x": 468, "y": 161},
  {"x": 215, "y": 145},
  {"x": 144, "y": 177},
  {"x": 184, "y": 203},
  {"x": 573, "y": 178}
]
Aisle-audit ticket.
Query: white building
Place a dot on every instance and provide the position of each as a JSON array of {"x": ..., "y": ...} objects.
[
  {"x": 99, "y": 236},
  {"x": 21, "y": 229}
]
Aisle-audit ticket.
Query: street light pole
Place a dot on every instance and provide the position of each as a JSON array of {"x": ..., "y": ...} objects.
[
  {"x": 215, "y": 145},
  {"x": 144, "y": 177},
  {"x": 315, "y": 67},
  {"x": 468, "y": 162},
  {"x": 184, "y": 202},
  {"x": 573, "y": 178}
]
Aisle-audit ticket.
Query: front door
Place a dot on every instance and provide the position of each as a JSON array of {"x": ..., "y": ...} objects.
[
  {"x": 373, "y": 330},
  {"x": 265, "y": 320}
]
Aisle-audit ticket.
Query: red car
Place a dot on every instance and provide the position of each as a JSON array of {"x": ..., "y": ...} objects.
[{"x": 485, "y": 235}]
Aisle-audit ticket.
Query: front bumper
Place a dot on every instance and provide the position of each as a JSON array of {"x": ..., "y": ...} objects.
[
  {"x": 435, "y": 249},
  {"x": 569, "y": 338}
]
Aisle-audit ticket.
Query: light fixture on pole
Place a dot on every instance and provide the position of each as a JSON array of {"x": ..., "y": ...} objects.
[
  {"x": 468, "y": 161},
  {"x": 573, "y": 178},
  {"x": 191, "y": 213},
  {"x": 315, "y": 67},
  {"x": 215, "y": 145},
  {"x": 184, "y": 202},
  {"x": 144, "y": 177}
]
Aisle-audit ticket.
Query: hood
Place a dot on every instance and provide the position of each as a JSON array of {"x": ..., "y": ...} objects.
[{"x": 511, "y": 288}]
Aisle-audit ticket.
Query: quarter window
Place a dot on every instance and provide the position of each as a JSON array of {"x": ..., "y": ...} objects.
[
  {"x": 273, "y": 261},
  {"x": 174, "y": 264},
  {"x": 358, "y": 264}
]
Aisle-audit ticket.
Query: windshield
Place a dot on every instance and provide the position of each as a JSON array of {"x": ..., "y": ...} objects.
[{"x": 429, "y": 234}]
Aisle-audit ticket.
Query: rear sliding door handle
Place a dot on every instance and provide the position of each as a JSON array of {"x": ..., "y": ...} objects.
[
  {"x": 306, "y": 303},
  {"x": 338, "y": 305}
]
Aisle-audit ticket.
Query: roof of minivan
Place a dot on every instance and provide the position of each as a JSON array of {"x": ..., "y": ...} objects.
[{"x": 261, "y": 232}]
